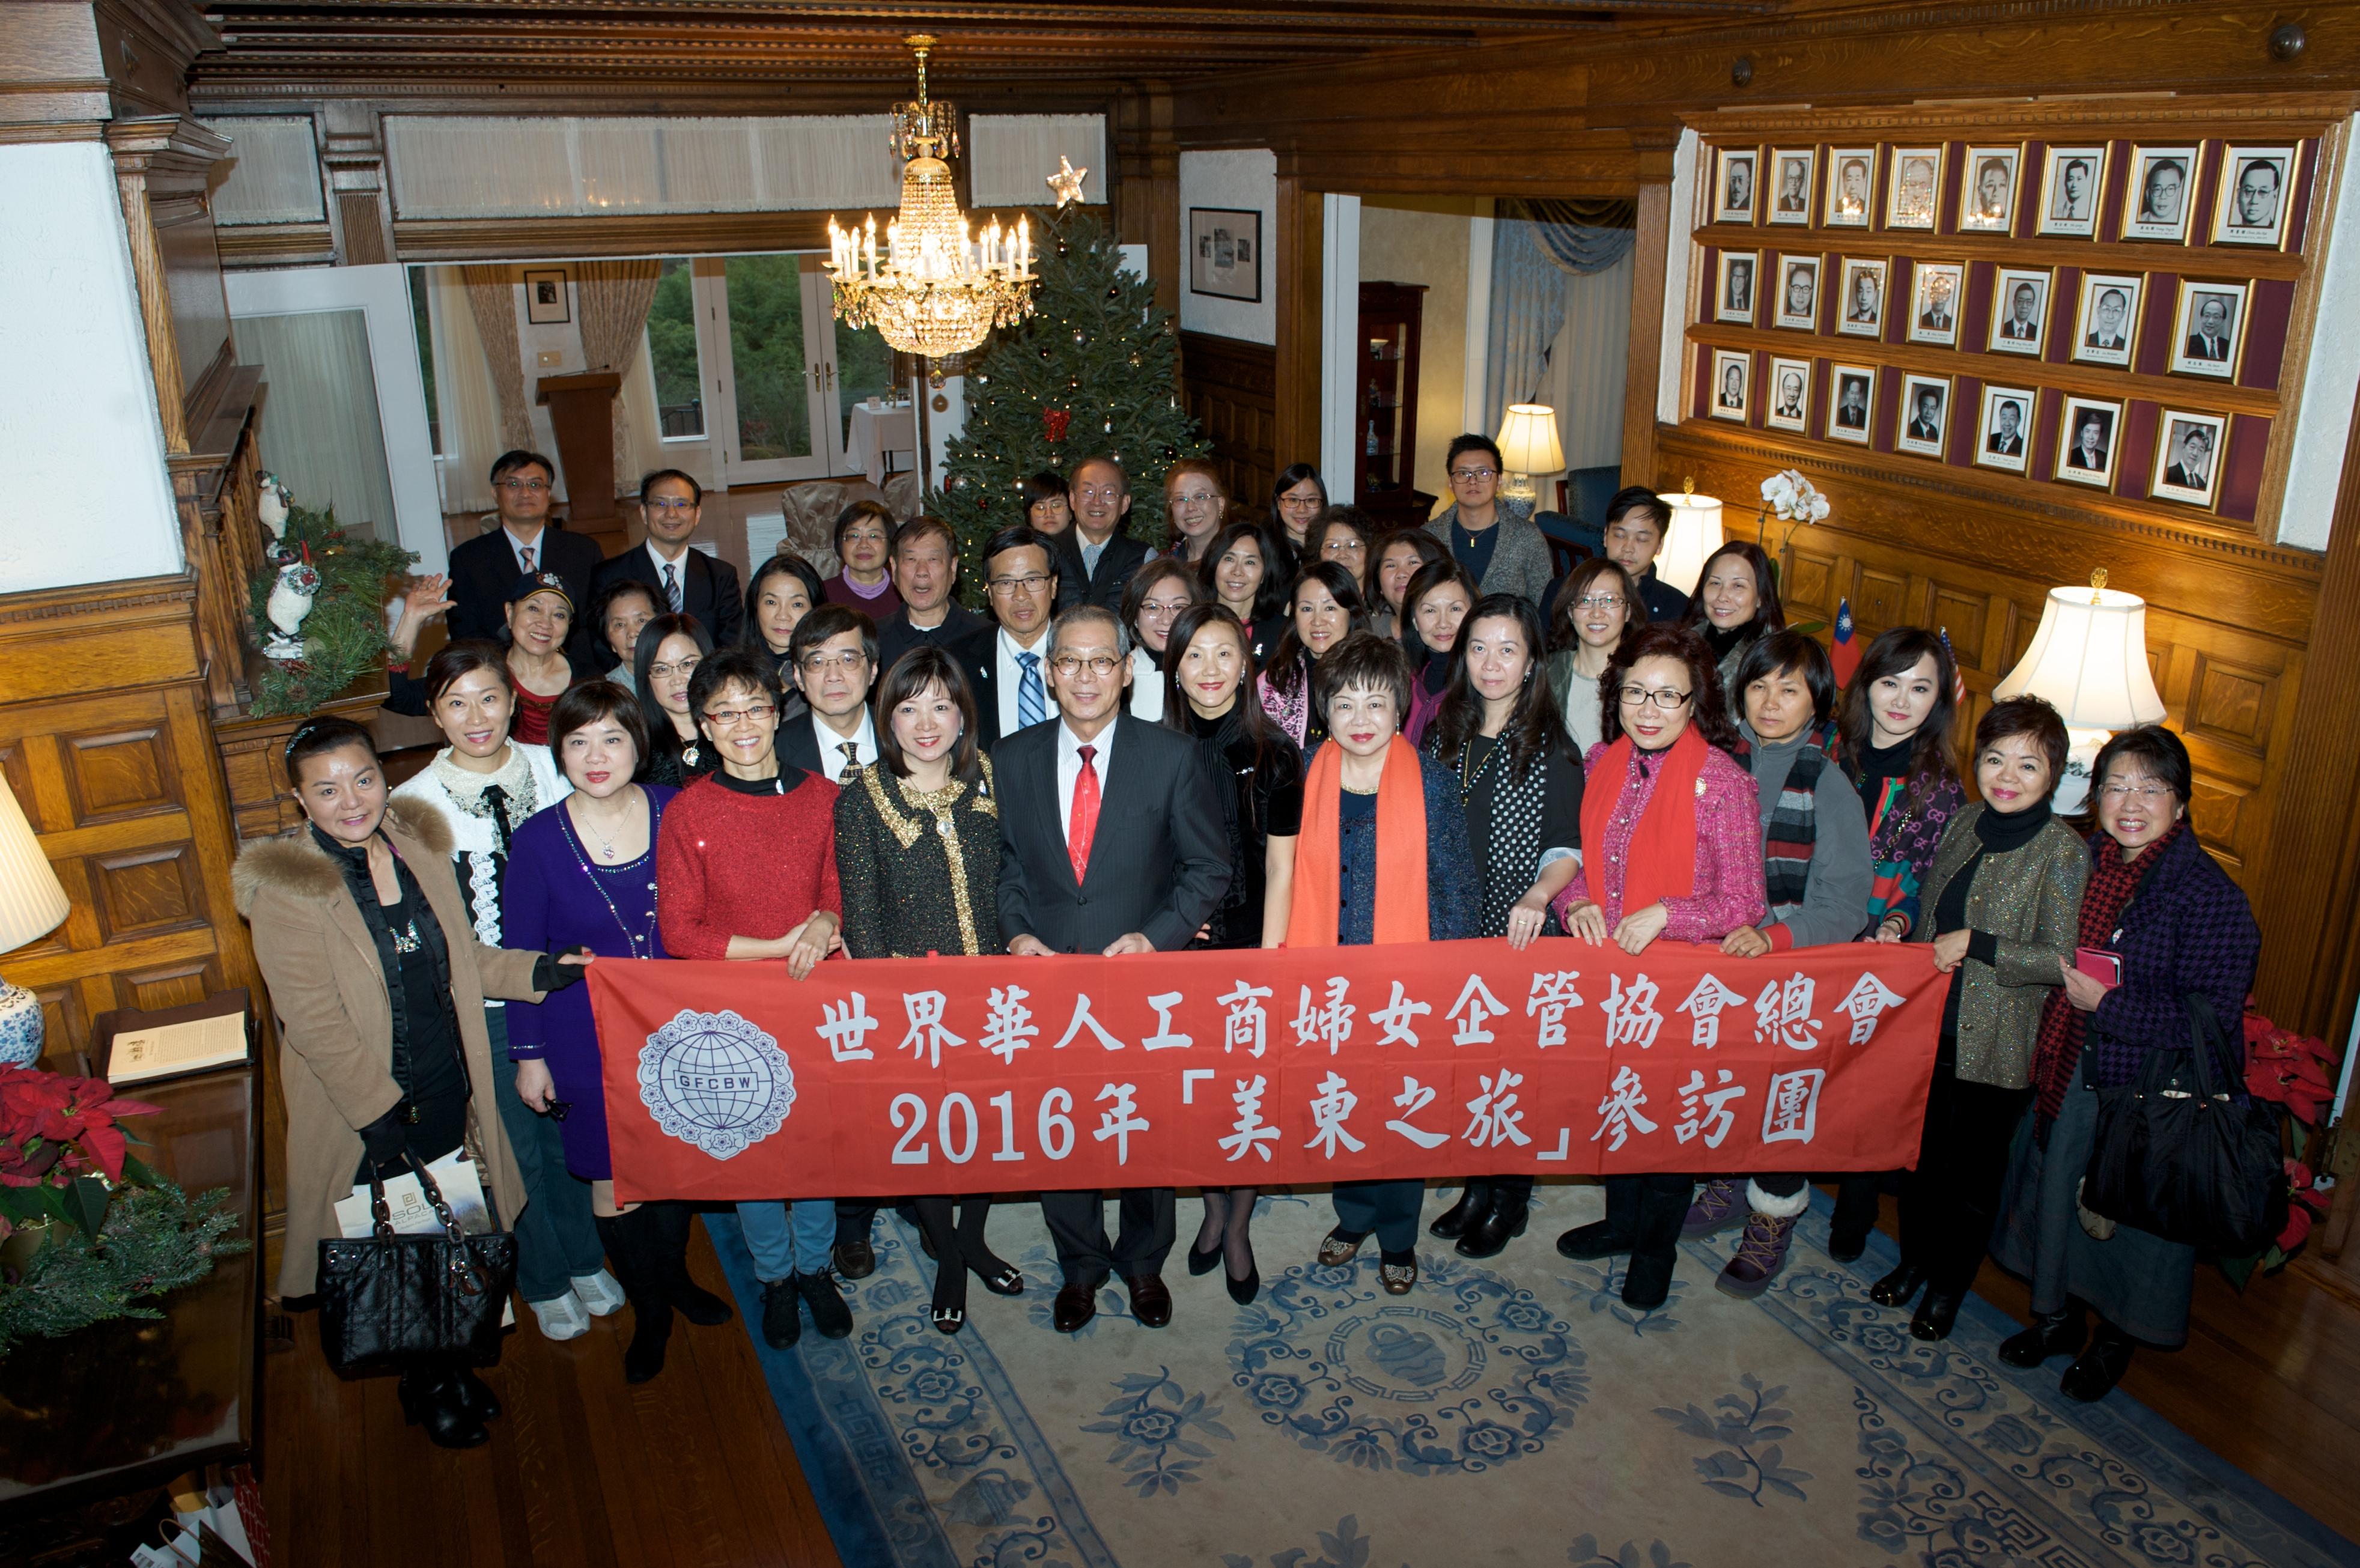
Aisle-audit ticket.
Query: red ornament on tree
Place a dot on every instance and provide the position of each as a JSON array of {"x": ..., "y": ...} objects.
[{"x": 1053, "y": 421}]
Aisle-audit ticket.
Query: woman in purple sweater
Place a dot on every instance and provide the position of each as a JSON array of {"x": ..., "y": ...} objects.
[{"x": 583, "y": 874}]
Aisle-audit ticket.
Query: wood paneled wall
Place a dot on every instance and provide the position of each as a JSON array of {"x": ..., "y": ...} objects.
[{"x": 1231, "y": 391}]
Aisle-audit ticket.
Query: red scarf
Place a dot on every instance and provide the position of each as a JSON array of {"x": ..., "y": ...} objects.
[
  {"x": 2063, "y": 1026},
  {"x": 1312, "y": 918},
  {"x": 1661, "y": 861}
]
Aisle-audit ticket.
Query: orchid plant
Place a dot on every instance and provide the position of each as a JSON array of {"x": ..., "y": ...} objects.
[{"x": 1795, "y": 498}]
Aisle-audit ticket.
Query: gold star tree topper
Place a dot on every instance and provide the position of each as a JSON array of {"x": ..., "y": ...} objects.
[{"x": 1067, "y": 181}]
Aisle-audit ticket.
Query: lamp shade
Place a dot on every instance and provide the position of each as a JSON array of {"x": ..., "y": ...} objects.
[
  {"x": 31, "y": 901},
  {"x": 1694, "y": 535},
  {"x": 1528, "y": 439},
  {"x": 2088, "y": 660}
]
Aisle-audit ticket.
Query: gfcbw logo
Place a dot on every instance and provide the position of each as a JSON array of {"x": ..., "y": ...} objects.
[{"x": 716, "y": 1081}]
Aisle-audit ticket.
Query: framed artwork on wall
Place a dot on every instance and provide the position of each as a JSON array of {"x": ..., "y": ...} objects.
[
  {"x": 1862, "y": 297},
  {"x": 1790, "y": 394},
  {"x": 2208, "y": 328},
  {"x": 1798, "y": 291},
  {"x": 2251, "y": 208},
  {"x": 2187, "y": 460},
  {"x": 2105, "y": 326},
  {"x": 2072, "y": 178},
  {"x": 2020, "y": 311},
  {"x": 1852, "y": 410},
  {"x": 1225, "y": 253},
  {"x": 2086, "y": 448},
  {"x": 1733, "y": 291},
  {"x": 1987, "y": 205},
  {"x": 2004, "y": 429},
  {"x": 1732, "y": 384},
  {"x": 1790, "y": 192},
  {"x": 1925, "y": 414},
  {"x": 547, "y": 301},
  {"x": 1934, "y": 302},
  {"x": 1852, "y": 187},
  {"x": 1732, "y": 186},
  {"x": 2162, "y": 184},
  {"x": 1917, "y": 188}
]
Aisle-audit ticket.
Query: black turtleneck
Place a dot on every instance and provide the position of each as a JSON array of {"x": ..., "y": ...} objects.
[
  {"x": 1878, "y": 764},
  {"x": 1996, "y": 832},
  {"x": 1723, "y": 642}
]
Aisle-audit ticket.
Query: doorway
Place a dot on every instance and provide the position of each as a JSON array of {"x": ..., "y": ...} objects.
[{"x": 779, "y": 374}]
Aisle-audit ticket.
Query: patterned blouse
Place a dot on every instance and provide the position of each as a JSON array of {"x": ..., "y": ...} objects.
[
  {"x": 1728, "y": 891},
  {"x": 920, "y": 870}
]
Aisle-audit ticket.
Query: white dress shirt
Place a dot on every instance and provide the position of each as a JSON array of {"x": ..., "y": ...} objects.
[
  {"x": 1145, "y": 699},
  {"x": 679, "y": 570},
  {"x": 832, "y": 760},
  {"x": 516, "y": 547},
  {"x": 1008, "y": 676},
  {"x": 1069, "y": 769}
]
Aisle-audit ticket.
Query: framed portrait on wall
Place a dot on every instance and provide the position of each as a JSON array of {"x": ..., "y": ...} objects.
[
  {"x": 1732, "y": 185},
  {"x": 1225, "y": 253},
  {"x": 1852, "y": 410},
  {"x": 2105, "y": 326},
  {"x": 2251, "y": 208},
  {"x": 1860, "y": 299},
  {"x": 1798, "y": 291},
  {"x": 1935, "y": 288},
  {"x": 1925, "y": 414},
  {"x": 1733, "y": 383},
  {"x": 2162, "y": 184},
  {"x": 1790, "y": 190},
  {"x": 1987, "y": 205},
  {"x": 1917, "y": 188},
  {"x": 2208, "y": 328},
  {"x": 2085, "y": 445},
  {"x": 547, "y": 302},
  {"x": 1790, "y": 394},
  {"x": 2072, "y": 180},
  {"x": 2188, "y": 457},
  {"x": 2003, "y": 431},
  {"x": 1852, "y": 187},
  {"x": 2020, "y": 311},
  {"x": 1733, "y": 291}
]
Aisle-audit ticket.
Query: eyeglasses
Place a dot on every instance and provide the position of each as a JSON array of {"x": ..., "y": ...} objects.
[
  {"x": 1095, "y": 493},
  {"x": 1162, "y": 609},
  {"x": 1196, "y": 498},
  {"x": 528, "y": 487},
  {"x": 1344, "y": 547},
  {"x": 1070, "y": 665},
  {"x": 1031, "y": 584},
  {"x": 1457, "y": 473},
  {"x": 1601, "y": 602},
  {"x": 2124, "y": 791},
  {"x": 847, "y": 662},
  {"x": 730, "y": 718},
  {"x": 659, "y": 671},
  {"x": 1639, "y": 697},
  {"x": 671, "y": 504},
  {"x": 1300, "y": 503}
]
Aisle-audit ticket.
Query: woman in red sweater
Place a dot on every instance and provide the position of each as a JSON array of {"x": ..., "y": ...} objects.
[{"x": 746, "y": 869}]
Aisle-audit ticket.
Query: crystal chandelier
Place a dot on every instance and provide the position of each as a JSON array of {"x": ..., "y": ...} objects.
[{"x": 932, "y": 289}]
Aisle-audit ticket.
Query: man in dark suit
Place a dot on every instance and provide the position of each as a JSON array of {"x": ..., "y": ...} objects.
[
  {"x": 925, "y": 569},
  {"x": 1928, "y": 425},
  {"x": 1936, "y": 316},
  {"x": 1107, "y": 824},
  {"x": 1636, "y": 521},
  {"x": 686, "y": 580},
  {"x": 832, "y": 655},
  {"x": 2023, "y": 323},
  {"x": 1095, "y": 557},
  {"x": 2090, "y": 446},
  {"x": 1007, "y": 661},
  {"x": 2193, "y": 470},
  {"x": 2113, "y": 306},
  {"x": 2008, "y": 421},
  {"x": 485, "y": 567},
  {"x": 2209, "y": 341}
]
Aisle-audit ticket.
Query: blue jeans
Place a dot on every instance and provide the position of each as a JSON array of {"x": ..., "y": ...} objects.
[
  {"x": 557, "y": 1238},
  {"x": 787, "y": 1238}
]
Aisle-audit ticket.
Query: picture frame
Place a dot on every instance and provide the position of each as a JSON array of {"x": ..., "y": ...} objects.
[
  {"x": 2014, "y": 329},
  {"x": 2184, "y": 471},
  {"x": 1916, "y": 187},
  {"x": 1987, "y": 202},
  {"x": 2073, "y": 187},
  {"x": 2105, "y": 328},
  {"x": 1735, "y": 191},
  {"x": 2245, "y": 212},
  {"x": 1922, "y": 431},
  {"x": 1859, "y": 301},
  {"x": 1788, "y": 200},
  {"x": 1786, "y": 412},
  {"x": 1735, "y": 287},
  {"x": 548, "y": 299},
  {"x": 1798, "y": 273},
  {"x": 1851, "y": 187},
  {"x": 2208, "y": 329},
  {"x": 1725, "y": 361},
  {"x": 2161, "y": 189},
  {"x": 1937, "y": 293},
  {"x": 1851, "y": 408},
  {"x": 2087, "y": 437},
  {"x": 1225, "y": 253},
  {"x": 2003, "y": 427}
]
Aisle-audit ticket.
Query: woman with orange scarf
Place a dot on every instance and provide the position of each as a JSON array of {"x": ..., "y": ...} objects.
[
  {"x": 1383, "y": 857},
  {"x": 1671, "y": 832}
]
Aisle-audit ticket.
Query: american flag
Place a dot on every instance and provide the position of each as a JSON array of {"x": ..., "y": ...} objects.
[
  {"x": 1958, "y": 677},
  {"x": 1845, "y": 653}
]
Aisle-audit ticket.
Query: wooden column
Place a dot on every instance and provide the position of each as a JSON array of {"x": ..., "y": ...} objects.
[
  {"x": 1297, "y": 243},
  {"x": 1643, "y": 373},
  {"x": 362, "y": 207},
  {"x": 1147, "y": 196}
]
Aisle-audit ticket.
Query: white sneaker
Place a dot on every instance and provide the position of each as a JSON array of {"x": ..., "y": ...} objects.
[
  {"x": 561, "y": 1317},
  {"x": 599, "y": 1294}
]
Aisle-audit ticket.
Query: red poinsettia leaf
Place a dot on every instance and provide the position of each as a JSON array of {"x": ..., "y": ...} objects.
[
  {"x": 2298, "y": 1226},
  {"x": 104, "y": 1146}
]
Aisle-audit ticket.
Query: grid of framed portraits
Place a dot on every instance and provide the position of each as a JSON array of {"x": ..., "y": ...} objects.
[{"x": 1871, "y": 265}]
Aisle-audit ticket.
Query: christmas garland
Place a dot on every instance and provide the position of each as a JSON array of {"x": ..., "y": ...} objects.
[
  {"x": 344, "y": 635},
  {"x": 154, "y": 1240}
]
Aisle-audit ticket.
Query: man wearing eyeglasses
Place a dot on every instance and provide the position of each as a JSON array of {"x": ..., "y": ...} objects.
[
  {"x": 833, "y": 653},
  {"x": 1008, "y": 662},
  {"x": 686, "y": 580},
  {"x": 1069, "y": 880},
  {"x": 1096, "y": 556},
  {"x": 485, "y": 567},
  {"x": 1496, "y": 540}
]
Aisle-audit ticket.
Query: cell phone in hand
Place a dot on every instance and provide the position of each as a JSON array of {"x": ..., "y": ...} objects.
[{"x": 2105, "y": 968}]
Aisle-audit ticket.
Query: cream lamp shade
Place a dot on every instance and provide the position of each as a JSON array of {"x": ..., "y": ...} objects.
[
  {"x": 1694, "y": 535},
  {"x": 31, "y": 901},
  {"x": 1528, "y": 441},
  {"x": 2088, "y": 661}
]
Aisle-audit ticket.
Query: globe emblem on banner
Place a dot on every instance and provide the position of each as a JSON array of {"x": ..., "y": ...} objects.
[{"x": 716, "y": 1081}]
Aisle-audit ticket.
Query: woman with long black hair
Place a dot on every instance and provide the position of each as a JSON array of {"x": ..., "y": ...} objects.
[
  {"x": 1736, "y": 605},
  {"x": 1298, "y": 497},
  {"x": 671, "y": 648},
  {"x": 1241, "y": 573},
  {"x": 1323, "y": 608}
]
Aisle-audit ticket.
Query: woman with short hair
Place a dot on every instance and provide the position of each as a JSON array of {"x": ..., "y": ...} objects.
[
  {"x": 2178, "y": 929},
  {"x": 1323, "y": 608},
  {"x": 1241, "y": 573},
  {"x": 1597, "y": 611},
  {"x": 864, "y": 533},
  {"x": 1735, "y": 605},
  {"x": 1399, "y": 557},
  {"x": 1341, "y": 534},
  {"x": 618, "y": 611},
  {"x": 1157, "y": 596},
  {"x": 1048, "y": 503},
  {"x": 539, "y": 615},
  {"x": 1197, "y": 503}
]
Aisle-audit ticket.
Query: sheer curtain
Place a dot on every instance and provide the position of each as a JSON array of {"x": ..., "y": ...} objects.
[
  {"x": 638, "y": 444},
  {"x": 465, "y": 396},
  {"x": 321, "y": 430},
  {"x": 613, "y": 298},
  {"x": 1544, "y": 251},
  {"x": 491, "y": 299}
]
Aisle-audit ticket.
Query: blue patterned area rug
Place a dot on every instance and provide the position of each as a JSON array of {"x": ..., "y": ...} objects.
[{"x": 1510, "y": 1413}]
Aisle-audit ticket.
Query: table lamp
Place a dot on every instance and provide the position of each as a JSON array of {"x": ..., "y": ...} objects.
[
  {"x": 1528, "y": 446},
  {"x": 2088, "y": 660},
  {"x": 1693, "y": 536},
  {"x": 31, "y": 905}
]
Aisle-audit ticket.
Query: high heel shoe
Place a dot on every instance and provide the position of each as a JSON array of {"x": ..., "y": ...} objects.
[
  {"x": 1898, "y": 1288},
  {"x": 1243, "y": 1291},
  {"x": 998, "y": 1276},
  {"x": 950, "y": 1299},
  {"x": 1201, "y": 1263}
]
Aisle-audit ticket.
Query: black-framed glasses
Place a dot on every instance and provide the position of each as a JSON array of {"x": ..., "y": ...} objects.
[{"x": 1640, "y": 697}]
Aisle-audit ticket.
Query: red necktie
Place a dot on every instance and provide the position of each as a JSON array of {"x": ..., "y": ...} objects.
[{"x": 1083, "y": 819}]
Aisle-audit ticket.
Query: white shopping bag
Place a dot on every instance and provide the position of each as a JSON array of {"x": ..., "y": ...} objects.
[{"x": 405, "y": 1199}]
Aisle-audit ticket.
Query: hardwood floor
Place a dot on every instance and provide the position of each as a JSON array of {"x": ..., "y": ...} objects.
[{"x": 695, "y": 1470}]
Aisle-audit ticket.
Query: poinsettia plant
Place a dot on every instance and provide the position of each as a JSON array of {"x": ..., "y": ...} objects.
[
  {"x": 61, "y": 1150},
  {"x": 2288, "y": 1069}
]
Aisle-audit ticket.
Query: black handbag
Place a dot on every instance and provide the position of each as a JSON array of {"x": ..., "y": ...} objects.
[
  {"x": 2176, "y": 1156},
  {"x": 386, "y": 1298}
]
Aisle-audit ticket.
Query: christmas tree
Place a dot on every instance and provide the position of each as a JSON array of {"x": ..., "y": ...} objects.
[{"x": 1094, "y": 370}]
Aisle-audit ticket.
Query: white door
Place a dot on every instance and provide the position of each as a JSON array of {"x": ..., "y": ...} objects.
[{"x": 768, "y": 377}]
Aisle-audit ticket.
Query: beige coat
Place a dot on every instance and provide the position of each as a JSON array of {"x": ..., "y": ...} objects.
[
  {"x": 335, "y": 1027},
  {"x": 2030, "y": 900}
]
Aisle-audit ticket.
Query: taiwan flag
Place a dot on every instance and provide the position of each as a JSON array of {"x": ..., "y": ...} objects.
[
  {"x": 1845, "y": 653},
  {"x": 1958, "y": 676}
]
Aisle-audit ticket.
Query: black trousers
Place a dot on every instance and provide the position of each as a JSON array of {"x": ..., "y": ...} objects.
[
  {"x": 1649, "y": 1208},
  {"x": 1950, "y": 1202},
  {"x": 1078, "y": 1224}
]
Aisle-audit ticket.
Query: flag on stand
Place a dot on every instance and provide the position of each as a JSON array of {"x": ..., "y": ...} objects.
[
  {"x": 1958, "y": 677},
  {"x": 1843, "y": 653}
]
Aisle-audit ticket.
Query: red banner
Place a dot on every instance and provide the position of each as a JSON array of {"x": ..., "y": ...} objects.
[{"x": 886, "y": 1077}]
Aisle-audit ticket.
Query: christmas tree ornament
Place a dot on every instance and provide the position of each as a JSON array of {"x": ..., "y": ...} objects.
[
  {"x": 1054, "y": 423},
  {"x": 1066, "y": 183},
  {"x": 289, "y": 602}
]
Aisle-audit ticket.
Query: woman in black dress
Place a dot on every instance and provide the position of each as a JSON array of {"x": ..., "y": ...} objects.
[
  {"x": 1241, "y": 571},
  {"x": 671, "y": 648}
]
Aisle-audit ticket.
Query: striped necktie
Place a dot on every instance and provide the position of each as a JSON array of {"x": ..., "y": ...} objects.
[
  {"x": 1031, "y": 702},
  {"x": 672, "y": 585}
]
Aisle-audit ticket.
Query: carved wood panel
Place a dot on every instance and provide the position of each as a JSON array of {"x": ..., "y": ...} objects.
[{"x": 1230, "y": 389}]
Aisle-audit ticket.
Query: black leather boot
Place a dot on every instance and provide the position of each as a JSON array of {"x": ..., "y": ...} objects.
[
  {"x": 2095, "y": 1372},
  {"x": 1604, "y": 1238},
  {"x": 1656, "y": 1244},
  {"x": 670, "y": 1223},
  {"x": 1474, "y": 1204},
  {"x": 1899, "y": 1288},
  {"x": 1936, "y": 1313},
  {"x": 634, "y": 1244},
  {"x": 1510, "y": 1208},
  {"x": 2052, "y": 1334},
  {"x": 431, "y": 1399}
]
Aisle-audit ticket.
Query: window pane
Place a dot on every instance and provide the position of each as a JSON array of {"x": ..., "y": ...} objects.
[
  {"x": 671, "y": 353},
  {"x": 766, "y": 356},
  {"x": 321, "y": 431},
  {"x": 425, "y": 325},
  {"x": 864, "y": 369}
]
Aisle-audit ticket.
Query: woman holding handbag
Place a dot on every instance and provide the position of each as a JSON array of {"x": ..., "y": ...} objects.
[
  {"x": 378, "y": 983},
  {"x": 2174, "y": 927}
]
